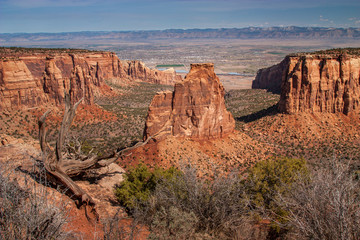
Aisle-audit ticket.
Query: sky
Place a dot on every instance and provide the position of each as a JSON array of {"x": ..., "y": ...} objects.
[{"x": 118, "y": 15}]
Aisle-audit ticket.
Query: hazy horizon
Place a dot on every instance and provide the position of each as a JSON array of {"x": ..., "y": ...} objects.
[
  {"x": 53, "y": 16},
  {"x": 169, "y": 29}
]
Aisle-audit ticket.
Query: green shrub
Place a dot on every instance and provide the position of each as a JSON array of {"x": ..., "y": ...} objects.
[
  {"x": 139, "y": 183},
  {"x": 269, "y": 178},
  {"x": 188, "y": 207}
]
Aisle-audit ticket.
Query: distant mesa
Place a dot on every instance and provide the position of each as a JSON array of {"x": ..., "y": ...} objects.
[
  {"x": 31, "y": 77},
  {"x": 324, "y": 81},
  {"x": 196, "y": 108},
  {"x": 291, "y": 32}
]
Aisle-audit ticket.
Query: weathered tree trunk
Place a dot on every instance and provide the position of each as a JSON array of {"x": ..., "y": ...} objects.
[{"x": 63, "y": 168}]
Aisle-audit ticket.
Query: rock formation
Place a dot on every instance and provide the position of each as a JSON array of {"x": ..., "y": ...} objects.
[
  {"x": 321, "y": 83},
  {"x": 32, "y": 77},
  {"x": 138, "y": 71},
  {"x": 270, "y": 78},
  {"x": 196, "y": 108},
  {"x": 326, "y": 81}
]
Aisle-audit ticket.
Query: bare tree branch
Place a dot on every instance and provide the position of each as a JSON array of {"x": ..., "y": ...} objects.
[{"x": 63, "y": 165}]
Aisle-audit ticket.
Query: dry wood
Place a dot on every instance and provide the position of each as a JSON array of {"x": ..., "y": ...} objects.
[{"x": 63, "y": 166}]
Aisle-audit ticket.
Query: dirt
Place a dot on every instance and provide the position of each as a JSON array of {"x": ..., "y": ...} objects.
[
  {"x": 19, "y": 157},
  {"x": 314, "y": 137}
]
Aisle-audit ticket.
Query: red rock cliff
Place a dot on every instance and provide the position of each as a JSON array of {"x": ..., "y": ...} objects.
[
  {"x": 270, "y": 78},
  {"x": 137, "y": 70},
  {"x": 321, "y": 83},
  {"x": 195, "y": 109},
  {"x": 30, "y": 78}
]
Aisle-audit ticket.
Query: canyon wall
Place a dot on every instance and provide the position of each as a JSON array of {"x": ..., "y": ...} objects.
[
  {"x": 196, "y": 108},
  {"x": 29, "y": 78},
  {"x": 321, "y": 83},
  {"x": 325, "y": 81},
  {"x": 270, "y": 78}
]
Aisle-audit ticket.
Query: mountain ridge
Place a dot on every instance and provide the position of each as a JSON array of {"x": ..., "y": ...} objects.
[{"x": 291, "y": 32}]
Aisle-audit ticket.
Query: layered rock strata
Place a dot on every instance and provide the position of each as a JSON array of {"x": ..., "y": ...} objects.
[
  {"x": 270, "y": 78},
  {"x": 315, "y": 82},
  {"x": 34, "y": 78},
  {"x": 321, "y": 83},
  {"x": 196, "y": 108}
]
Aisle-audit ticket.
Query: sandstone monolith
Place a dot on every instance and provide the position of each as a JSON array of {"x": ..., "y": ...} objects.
[{"x": 196, "y": 108}]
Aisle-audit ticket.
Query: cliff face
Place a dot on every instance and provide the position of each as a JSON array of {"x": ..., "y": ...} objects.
[
  {"x": 18, "y": 86},
  {"x": 195, "y": 109},
  {"x": 321, "y": 83},
  {"x": 36, "y": 78},
  {"x": 137, "y": 70},
  {"x": 270, "y": 78}
]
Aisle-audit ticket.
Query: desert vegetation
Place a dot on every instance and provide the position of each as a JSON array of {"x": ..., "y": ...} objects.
[
  {"x": 282, "y": 197},
  {"x": 16, "y": 51},
  {"x": 248, "y": 192},
  {"x": 28, "y": 209},
  {"x": 333, "y": 51}
]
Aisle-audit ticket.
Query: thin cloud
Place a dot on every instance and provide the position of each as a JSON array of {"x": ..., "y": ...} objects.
[
  {"x": 355, "y": 20},
  {"x": 322, "y": 19}
]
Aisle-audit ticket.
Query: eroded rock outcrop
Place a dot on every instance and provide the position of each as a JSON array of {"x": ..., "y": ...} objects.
[
  {"x": 33, "y": 77},
  {"x": 270, "y": 78},
  {"x": 325, "y": 81},
  {"x": 321, "y": 83},
  {"x": 196, "y": 108},
  {"x": 137, "y": 70}
]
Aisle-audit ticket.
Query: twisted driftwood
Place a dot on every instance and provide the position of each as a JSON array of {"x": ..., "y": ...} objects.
[{"x": 63, "y": 166}]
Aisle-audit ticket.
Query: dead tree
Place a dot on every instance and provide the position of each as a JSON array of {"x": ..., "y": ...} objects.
[{"x": 61, "y": 166}]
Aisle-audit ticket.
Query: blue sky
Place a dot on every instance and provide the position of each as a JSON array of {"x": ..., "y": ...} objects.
[{"x": 112, "y": 15}]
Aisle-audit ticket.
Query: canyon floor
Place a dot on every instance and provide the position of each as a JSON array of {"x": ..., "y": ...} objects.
[
  {"x": 261, "y": 132},
  {"x": 117, "y": 121}
]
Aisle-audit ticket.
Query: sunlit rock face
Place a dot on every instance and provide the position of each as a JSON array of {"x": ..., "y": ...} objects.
[
  {"x": 32, "y": 78},
  {"x": 314, "y": 82},
  {"x": 196, "y": 108},
  {"x": 321, "y": 83}
]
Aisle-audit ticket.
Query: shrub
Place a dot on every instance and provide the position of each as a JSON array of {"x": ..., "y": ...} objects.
[
  {"x": 172, "y": 223},
  {"x": 120, "y": 227},
  {"x": 139, "y": 183},
  {"x": 188, "y": 207},
  {"x": 327, "y": 206},
  {"x": 28, "y": 212},
  {"x": 269, "y": 178}
]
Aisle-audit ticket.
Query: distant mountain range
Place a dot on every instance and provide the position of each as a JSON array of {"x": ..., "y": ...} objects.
[{"x": 222, "y": 33}]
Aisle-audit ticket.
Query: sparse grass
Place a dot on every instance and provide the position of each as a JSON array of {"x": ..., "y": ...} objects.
[
  {"x": 131, "y": 109},
  {"x": 10, "y": 51},
  {"x": 246, "y": 104},
  {"x": 334, "y": 51}
]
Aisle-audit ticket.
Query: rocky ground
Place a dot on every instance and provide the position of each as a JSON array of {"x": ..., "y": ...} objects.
[
  {"x": 261, "y": 131},
  {"x": 117, "y": 121}
]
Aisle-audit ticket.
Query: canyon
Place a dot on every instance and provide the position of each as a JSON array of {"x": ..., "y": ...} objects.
[
  {"x": 194, "y": 121},
  {"x": 30, "y": 77}
]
